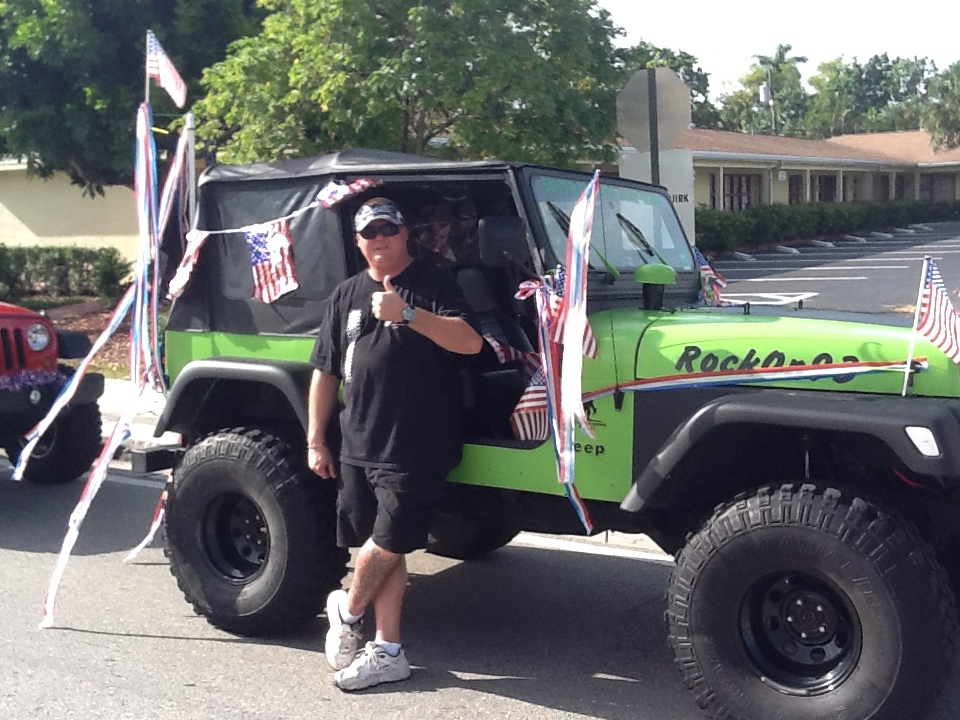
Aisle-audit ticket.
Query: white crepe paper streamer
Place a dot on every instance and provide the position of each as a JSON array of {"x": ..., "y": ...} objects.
[{"x": 120, "y": 432}]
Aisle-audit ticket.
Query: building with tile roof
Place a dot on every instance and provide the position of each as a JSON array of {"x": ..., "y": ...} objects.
[{"x": 734, "y": 171}]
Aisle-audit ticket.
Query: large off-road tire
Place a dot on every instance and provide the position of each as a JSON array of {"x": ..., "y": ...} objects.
[
  {"x": 68, "y": 448},
  {"x": 251, "y": 533},
  {"x": 463, "y": 538},
  {"x": 802, "y": 602}
]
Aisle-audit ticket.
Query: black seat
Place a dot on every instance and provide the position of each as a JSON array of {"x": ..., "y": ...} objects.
[
  {"x": 502, "y": 326},
  {"x": 497, "y": 387}
]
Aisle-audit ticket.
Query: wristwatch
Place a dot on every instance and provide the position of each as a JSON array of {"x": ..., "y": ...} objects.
[{"x": 408, "y": 314}]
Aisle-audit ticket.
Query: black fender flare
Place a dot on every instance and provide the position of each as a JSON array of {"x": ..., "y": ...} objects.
[
  {"x": 72, "y": 345},
  {"x": 197, "y": 378},
  {"x": 882, "y": 416}
]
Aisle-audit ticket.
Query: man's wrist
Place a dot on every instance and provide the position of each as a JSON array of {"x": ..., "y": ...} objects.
[{"x": 316, "y": 445}]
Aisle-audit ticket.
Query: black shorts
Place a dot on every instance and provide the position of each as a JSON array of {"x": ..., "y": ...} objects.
[{"x": 394, "y": 508}]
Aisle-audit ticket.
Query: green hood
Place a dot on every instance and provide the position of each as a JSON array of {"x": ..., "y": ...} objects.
[{"x": 707, "y": 341}]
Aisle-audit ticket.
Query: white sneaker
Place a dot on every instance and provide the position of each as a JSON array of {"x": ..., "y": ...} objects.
[
  {"x": 343, "y": 640},
  {"x": 372, "y": 667}
]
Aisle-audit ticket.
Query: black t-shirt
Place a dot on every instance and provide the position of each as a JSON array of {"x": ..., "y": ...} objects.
[{"x": 401, "y": 391}]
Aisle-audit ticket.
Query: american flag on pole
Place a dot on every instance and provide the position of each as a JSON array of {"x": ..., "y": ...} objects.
[
  {"x": 711, "y": 281},
  {"x": 272, "y": 261},
  {"x": 162, "y": 70},
  {"x": 530, "y": 419},
  {"x": 507, "y": 354},
  {"x": 589, "y": 341},
  {"x": 938, "y": 321}
]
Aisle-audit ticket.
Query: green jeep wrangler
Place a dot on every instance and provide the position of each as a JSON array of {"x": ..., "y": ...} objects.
[{"x": 813, "y": 521}]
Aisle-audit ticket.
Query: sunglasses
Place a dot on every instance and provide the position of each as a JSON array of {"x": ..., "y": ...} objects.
[{"x": 386, "y": 229}]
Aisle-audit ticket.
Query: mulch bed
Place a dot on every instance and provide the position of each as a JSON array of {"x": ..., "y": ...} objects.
[{"x": 91, "y": 319}]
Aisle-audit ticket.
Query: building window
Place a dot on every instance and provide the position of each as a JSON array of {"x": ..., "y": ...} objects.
[
  {"x": 881, "y": 187},
  {"x": 850, "y": 193},
  {"x": 937, "y": 188},
  {"x": 899, "y": 187},
  {"x": 713, "y": 191},
  {"x": 795, "y": 194},
  {"x": 741, "y": 191},
  {"x": 827, "y": 188}
]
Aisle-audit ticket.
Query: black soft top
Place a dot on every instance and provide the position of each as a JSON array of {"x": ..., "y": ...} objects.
[{"x": 347, "y": 162}]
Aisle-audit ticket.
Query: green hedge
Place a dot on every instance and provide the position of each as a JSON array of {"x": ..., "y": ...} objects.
[
  {"x": 720, "y": 230},
  {"x": 61, "y": 272}
]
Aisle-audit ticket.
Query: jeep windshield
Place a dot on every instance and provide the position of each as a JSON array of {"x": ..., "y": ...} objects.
[{"x": 632, "y": 225}]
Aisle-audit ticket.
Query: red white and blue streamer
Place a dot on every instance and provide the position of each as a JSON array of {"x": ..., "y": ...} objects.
[
  {"x": 140, "y": 299},
  {"x": 564, "y": 337},
  {"x": 747, "y": 376}
]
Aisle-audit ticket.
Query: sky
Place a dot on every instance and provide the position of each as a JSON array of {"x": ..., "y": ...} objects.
[{"x": 725, "y": 36}]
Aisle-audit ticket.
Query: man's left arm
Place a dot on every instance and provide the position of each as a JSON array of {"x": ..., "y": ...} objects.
[{"x": 451, "y": 333}]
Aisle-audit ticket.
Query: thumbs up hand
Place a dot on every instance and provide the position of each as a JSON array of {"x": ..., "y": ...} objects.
[{"x": 387, "y": 305}]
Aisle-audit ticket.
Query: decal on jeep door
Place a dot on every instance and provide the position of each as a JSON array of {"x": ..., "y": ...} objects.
[{"x": 693, "y": 360}]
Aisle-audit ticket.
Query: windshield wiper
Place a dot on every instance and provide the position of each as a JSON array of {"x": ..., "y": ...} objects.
[
  {"x": 563, "y": 220},
  {"x": 639, "y": 241}
]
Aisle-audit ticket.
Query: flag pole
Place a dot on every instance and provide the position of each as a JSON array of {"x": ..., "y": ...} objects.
[
  {"x": 146, "y": 70},
  {"x": 913, "y": 329},
  {"x": 190, "y": 130}
]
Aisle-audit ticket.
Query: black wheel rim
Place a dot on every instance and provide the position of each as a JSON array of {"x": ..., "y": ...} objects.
[
  {"x": 801, "y": 633},
  {"x": 236, "y": 537}
]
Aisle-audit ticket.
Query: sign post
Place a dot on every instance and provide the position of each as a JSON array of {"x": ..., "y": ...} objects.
[{"x": 653, "y": 110}]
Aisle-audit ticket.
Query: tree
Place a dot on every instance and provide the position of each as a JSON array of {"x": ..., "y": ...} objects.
[
  {"x": 644, "y": 55},
  {"x": 488, "y": 78},
  {"x": 941, "y": 116},
  {"x": 72, "y": 75},
  {"x": 836, "y": 106},
  {"x": 878, "y": 95},
  {"x": 742, "y": 111}
]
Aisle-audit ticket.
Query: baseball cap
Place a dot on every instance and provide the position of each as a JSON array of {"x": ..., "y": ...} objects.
[{"x": 380, "y": 211}]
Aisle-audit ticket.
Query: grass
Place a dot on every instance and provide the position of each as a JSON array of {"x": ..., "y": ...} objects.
[
  {"x": 46, "y": 302},
  {"x": 114, "y": 371}
]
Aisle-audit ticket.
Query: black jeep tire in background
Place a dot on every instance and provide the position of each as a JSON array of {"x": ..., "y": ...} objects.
[
  {"x": 800, "y": 600},
  {"x": 252, "y": 533},
  {"x": 464, "y": 538},
  {"x": 68, "y": 448}
]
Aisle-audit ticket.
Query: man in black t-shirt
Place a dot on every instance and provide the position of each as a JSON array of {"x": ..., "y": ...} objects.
[{"x": 391, "y": 335}]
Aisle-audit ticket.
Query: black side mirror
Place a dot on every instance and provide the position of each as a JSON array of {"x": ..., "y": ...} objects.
[{"x": 503, "y": 241}]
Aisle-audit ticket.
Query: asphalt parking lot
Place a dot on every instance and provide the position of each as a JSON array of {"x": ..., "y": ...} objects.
[{"x": 873, "y": 274}]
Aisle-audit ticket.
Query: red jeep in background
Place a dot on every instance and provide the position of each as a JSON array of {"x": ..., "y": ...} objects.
[{"x": 31, "y": 376}]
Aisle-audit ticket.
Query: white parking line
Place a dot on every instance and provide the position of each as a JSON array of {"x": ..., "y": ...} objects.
[
  {"x": 801, "y": 279},
  {"x": 753, "y": 268},
  {"x": 768, "y": 298}
]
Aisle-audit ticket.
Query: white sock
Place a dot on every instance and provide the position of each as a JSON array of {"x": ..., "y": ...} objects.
[
  {"x": 347, "y": 617},
  {"x": 393, "y": 649}
]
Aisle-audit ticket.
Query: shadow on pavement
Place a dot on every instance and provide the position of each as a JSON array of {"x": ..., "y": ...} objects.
[
  {"x": 33, "y": 518},
  {"x": 577, "y": 633}
]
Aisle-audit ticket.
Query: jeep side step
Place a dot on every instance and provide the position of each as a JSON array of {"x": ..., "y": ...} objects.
[{"x": 158, "y": 457}]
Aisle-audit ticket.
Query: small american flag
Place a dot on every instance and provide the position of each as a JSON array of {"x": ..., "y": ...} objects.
[
  {"x": 508, "y": 353},
  {"x": 336, "y": 190},
  {"x": 938, "y": 321},
  {"x": 589, "y": 341},
  {"x": 271, "y": 260},
  {"x": 710, "y": 280},
  {"x": 162, "y": 70},
  {"x": 529, "y": 419}
]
